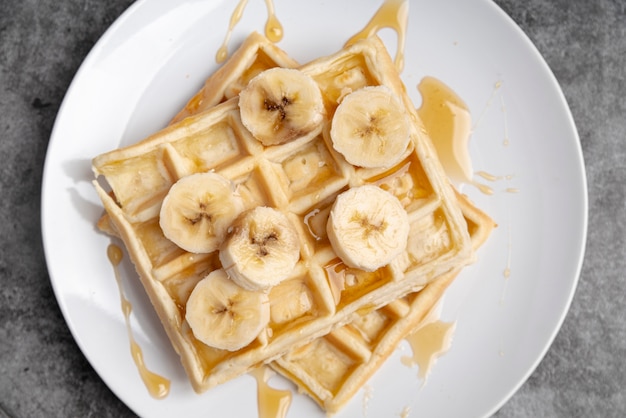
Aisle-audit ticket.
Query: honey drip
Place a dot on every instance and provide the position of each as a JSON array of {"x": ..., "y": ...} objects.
[
  {"x": 428, "y": 343},
  {"x": 307, "y": 219},
  {"x": 158, "y": 386},
  {"x": 273, "y": 28},
  {"x": 392, "y": 14},
  {"x": 405, "y": 412},
  {"x": 336, "y": 273},
  {"x": 488, "y": 190},
  {"x": 493, "y": 177},
  {"x": 272, "y": 403},
  {"x": 447, "y": 120},
  {"x": 496, "y": 88},
  {"x": 506, "y": 273},
  {"x": 507, "y": 269}
]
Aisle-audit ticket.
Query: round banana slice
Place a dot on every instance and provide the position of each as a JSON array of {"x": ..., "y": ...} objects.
[
  {"x": 197, "y": 211},
  {"x": 280, "y": 105},
  {"x": 370, "y": 128},
  {"x": 367, "y": 227},
  {"x": 223, "y": 315},
  {"x": 261, "y": 250}
]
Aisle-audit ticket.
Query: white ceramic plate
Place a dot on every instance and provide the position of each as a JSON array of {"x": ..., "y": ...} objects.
[{"x": 158, "y": 53}]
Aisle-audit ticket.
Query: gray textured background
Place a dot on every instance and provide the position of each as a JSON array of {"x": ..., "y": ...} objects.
[{"x": 42, "y": 371}]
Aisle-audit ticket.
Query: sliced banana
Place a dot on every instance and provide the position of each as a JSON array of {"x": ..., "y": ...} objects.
[
  {"x": 280, "y": 105},
  {"x": 223, "y": 315},
  {"x": 261, "y": 250},
  {"x": 370, "y": 128},
  {"x": 197, "y": 211},
  {"x": 367, "y": 227}
]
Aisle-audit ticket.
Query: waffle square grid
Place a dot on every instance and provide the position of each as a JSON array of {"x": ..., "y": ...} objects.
[{"x": 301, "y": 178}]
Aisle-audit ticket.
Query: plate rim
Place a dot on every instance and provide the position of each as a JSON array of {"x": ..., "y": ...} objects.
[{"x": 136, "y": 7}]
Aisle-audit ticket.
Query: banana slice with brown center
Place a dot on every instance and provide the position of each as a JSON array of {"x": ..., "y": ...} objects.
[
  {"x": 280, "y": 105},
  {"x": 223, "y": 315},
  {"x": 367, "y": 227},
  {"x": 261, "y": 250},
  {"x": 197, "y": 211},
  {"x": 370, "y": 128}
]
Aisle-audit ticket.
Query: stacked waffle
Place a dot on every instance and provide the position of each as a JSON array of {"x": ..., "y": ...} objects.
[{"x": 263, "y": 233}]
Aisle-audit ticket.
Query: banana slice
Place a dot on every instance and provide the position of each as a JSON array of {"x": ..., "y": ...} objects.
[
  {"x": 370, "y": 128},
  {"x": 223, "y": 315},
  {"x": 262, "y": 249},
  {"x": 197, "y": 211},
  {"x": 367, "y": 227},
  {"x": 280, "y": 105}
]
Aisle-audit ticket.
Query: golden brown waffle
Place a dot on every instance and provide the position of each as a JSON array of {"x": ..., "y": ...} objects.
[
  {"x": 301, "y": 178},
  {"x": 254, "y": 55},
  {"x": 332, "y": 368}
]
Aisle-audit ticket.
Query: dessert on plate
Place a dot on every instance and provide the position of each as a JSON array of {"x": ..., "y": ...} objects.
[{"x": 272, "y": 223}]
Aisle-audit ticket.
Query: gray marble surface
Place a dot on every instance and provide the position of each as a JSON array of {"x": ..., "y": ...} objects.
[{"x": 44, "y": 374}]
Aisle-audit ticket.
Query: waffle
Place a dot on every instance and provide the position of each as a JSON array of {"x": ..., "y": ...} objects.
[
  {"x": 332, "y": 368},
  {"x": 254, "y": 55},
  {"x": 139, "y": 176}
]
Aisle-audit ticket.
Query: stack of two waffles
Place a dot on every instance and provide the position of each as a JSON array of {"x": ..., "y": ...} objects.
[{"x": 334, "y": 312}]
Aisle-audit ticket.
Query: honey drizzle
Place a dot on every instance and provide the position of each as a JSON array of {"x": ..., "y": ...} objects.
[
  {"x": 496, "y": 88},
  {"x": 507, "y": 269},
  {"x": 505, "y": 141},
  {"x": 158, "y": 386},
  {"x": 393, "y": 14},
  {"x": 448, "y": 123},
  {"x": 506, "y": 273},
  {"x": 271, "y": 402},
  {"x": 336, "y": 273},
  {"x": 405, "y": 412},
  {"x": 492, "y": 177},
  {"x": 368, "y": 393},
  {"x": 273, "y": 28},
  {"x": 447, "y": 120},
  {"x": 307, "y": 218},
  {"x": 488, "y": 190},
  {"x": 429, "y": 342}
]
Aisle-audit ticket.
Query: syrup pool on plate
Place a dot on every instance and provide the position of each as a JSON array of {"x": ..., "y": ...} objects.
[
  {"x": 448, "y": 123},
  {"x": 271, "y": 402},
  {"x": 428, "y": 342}
]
